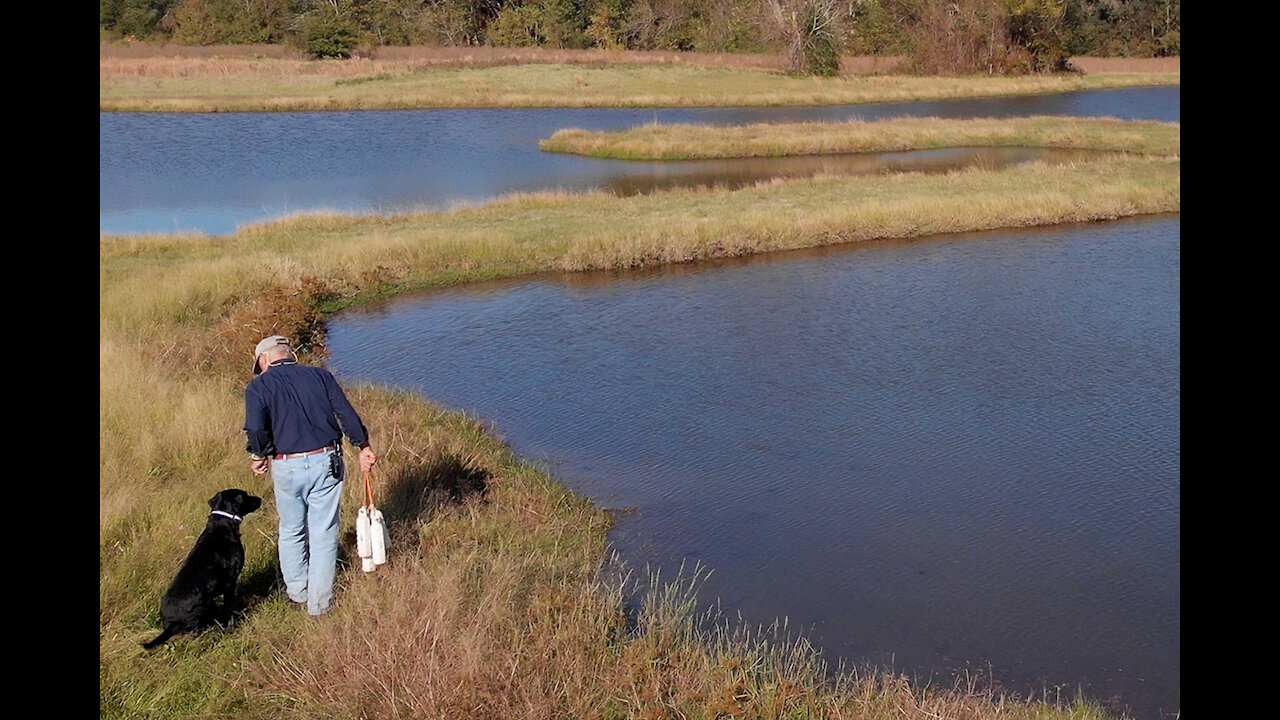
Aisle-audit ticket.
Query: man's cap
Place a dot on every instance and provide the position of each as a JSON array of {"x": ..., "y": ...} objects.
[{"x": 266, "y": 344}]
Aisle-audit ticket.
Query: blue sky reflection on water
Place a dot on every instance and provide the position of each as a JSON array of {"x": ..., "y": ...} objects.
[
  {"x": 951, "y": 452},
  {"x": 939, "y": 453},
  {"x": 212, "y": 172}
]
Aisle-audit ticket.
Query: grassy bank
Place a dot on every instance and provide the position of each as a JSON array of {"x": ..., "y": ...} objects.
[
  {"x": 686, "y": 142},
  {"x": 181, "y": 84},
  {"x": 417, "y": 57},
  {"x": 161, "y": 276},
  {"x": 500, "y": 600}
]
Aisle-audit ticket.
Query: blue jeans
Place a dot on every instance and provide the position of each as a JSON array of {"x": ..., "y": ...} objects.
[{"x": 308, "y": 499}]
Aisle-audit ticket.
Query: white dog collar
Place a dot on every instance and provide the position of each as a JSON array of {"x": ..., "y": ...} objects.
[{"x": 237, "y": 518}]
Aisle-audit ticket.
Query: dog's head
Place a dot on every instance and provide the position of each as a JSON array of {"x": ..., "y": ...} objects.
[{"x": 235, "y": 501}]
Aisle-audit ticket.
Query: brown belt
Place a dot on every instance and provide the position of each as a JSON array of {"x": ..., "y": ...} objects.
[{"x": 326, "y": 448}]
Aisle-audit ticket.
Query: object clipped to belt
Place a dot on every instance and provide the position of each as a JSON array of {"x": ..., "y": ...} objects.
[{"x": 372, "y": 539}]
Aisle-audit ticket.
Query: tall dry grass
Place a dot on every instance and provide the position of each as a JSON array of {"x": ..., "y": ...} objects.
[
  {"x": 1094, "y": 65},
  {"x": 351, "y": 256},
  {"x": 683, "y": 142},
  {"x": 144, "y": 49},
  {"x": 501, "y": 599},
  {"x": 393, "y": 57},
  {"x": 421, "y": 56},
  {"x": 500, "y": 77}
]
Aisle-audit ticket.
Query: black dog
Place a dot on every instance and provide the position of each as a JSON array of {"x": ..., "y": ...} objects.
[{"x": 211, "y": 569}]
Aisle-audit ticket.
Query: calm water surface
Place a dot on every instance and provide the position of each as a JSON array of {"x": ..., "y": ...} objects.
[
  {"x": 939, "y": 455},
  {"x": 943, "y": 455},
  {"x": 171, "y": 172}
]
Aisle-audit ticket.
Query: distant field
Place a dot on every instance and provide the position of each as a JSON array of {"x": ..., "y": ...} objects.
[
  {"x": 114, "y": 55},
  {"x": 1093, "y": 65},
  {"x": 167, "y": 80},
  {"x": 414, "y": 57}
]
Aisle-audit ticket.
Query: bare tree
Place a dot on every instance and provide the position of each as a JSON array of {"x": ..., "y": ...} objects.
[
  {"x": 960, "y": 37},
  {"x": 810, "y": 32},
  {"x": 656, "y": 25}
]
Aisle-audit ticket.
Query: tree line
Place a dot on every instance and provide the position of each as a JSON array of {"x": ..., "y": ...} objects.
[{"x": 937, "y": 36}]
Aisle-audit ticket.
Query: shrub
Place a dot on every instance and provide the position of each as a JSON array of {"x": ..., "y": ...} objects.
[
  {"x": 329, "y": 35},
  {"x": 605, "y": 27},
  {"x": 517, "y": 26},
  {"x": 1039, "y": 26}
]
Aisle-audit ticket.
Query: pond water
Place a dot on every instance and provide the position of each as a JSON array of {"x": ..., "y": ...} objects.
[
  {"x": 941, "y": 455},
  {"x": 734, "y": 173},
  {"x": 210, "y": 173}
]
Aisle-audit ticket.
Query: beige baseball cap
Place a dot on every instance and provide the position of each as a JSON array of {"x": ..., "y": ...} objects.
[{"x": 266, "y": 344}]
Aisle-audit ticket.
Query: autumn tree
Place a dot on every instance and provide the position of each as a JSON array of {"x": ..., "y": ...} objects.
[
  {"x": 330, "y": 31},
  {"x": 811, "y": 33},
  {"x": 938, "y": 36},
  {"x": 1039, "y": 27},
  {"x": 960, "y": 37}
]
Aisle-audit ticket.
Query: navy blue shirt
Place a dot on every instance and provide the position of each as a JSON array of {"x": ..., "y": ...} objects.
[{"x": 292, "y": 408}]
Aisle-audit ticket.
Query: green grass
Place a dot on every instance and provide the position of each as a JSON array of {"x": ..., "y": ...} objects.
[
  {"x": 201, "y": 85},
  {"x": 500, "y": 600},
  {"x": 145, "y": 282},
  {"x": 686, "y": 142}
]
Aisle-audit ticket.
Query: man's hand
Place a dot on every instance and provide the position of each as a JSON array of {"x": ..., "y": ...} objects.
[
  {"x": 260, "y": 467},
  {"x": 367, "y": 459}
]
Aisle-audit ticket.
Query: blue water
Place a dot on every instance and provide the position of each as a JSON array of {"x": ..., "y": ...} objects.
[
  {"x": 211, "y": 173},
  {"x": 941, "y": 455}
]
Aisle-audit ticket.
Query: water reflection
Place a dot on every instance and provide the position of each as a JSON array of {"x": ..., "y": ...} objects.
[
  {"x": 210, "y": 173},
  {"x": 932, "y": 454},
  {"x": 734, "y": 173}
]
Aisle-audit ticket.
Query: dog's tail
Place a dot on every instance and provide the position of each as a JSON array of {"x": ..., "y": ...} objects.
[{"x": 169, "y": 630}]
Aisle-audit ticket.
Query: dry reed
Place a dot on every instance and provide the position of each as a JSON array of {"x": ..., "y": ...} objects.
[{"x": 682, "y": 142}]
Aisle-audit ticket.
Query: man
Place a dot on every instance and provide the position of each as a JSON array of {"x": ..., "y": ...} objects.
[{"x": 295, "y": 417}]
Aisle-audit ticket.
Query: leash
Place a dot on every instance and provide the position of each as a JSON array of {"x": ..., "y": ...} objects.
[{"x": 368, "y": 489}]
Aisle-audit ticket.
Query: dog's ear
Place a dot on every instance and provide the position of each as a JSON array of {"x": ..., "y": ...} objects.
[{"x": 213, "y": 501}]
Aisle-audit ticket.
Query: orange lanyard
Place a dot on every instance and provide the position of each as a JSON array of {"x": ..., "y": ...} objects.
[{"x": 368, "y": 490}]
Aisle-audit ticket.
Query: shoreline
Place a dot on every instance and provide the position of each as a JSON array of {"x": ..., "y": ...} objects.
[
  {"x": 593, "y": 279},
  {"x": 509, "y": 567}
]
